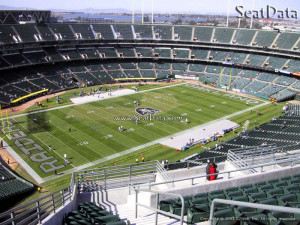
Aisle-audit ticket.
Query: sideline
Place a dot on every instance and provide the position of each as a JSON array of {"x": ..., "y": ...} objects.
[{"x": 158, "y": 141}]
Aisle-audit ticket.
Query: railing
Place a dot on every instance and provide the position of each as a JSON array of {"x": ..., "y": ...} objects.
[
  {"x": 116, "y": 176},
  {"x": 250, "y": 205},
  {"x": 35, "y": 211},
  {"x": 291, "y": 161},
  {"x": 156, "y": 210},
  {"x": 162, "y": 171}
]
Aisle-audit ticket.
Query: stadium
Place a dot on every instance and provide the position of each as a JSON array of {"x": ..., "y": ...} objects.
[{"x": 148, "y": 122}]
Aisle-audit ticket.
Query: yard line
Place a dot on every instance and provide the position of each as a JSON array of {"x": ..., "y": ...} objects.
[
  {"x": 42, "y": 141},
  {"x": 150, "y": 143},
  {"x": 70, "y": 105}
]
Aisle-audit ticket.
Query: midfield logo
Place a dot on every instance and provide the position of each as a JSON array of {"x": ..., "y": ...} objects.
[{"x": 146, "y": 111}]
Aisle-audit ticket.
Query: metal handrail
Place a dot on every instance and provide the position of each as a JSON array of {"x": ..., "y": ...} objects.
[
  {"x": 43, "y": 207},
  {"x": 181, "y": 217},
  {"x": 250, "y": 205},
  {"x": 292, "y": 161}
]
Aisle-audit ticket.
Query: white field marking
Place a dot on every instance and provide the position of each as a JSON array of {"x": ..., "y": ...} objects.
[
  {"x": 149, "y": 124},
  {"x": 107, "y": 128},
  {"x": 89, "y": 112},
  {"x": 109, "y": 107},
  {"x": 73, "y": 137},
  {"x": 224, "y": 102},
  {"x": 127, "y": 103},
  {"x": 90, "y": 164},
  {"x": 41, "y": 140},
  {"x": 212, "y": 106},
  {"x": 107, "y": 136},
  {"x": 130, "y": 130},
  {"x": 83, "y": 143},
  {"x": 69, "y": 116},
  {"x": 184, "y": 114},
  {"x": 70, "y": 105},
  {"x": 198, "y": 110}
]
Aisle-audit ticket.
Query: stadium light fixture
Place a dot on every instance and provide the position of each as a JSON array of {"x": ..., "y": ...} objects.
[
  {"x": 239, "y": 23},
  {"x": 152, "y": 11},
  {"x": 251, "y": 20},
  {"x": 132, "y": 11},
  {"x": 228, "y": 13},
  {"x": 142, "y": 11}
]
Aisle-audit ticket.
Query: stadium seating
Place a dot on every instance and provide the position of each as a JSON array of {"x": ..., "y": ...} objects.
[
  {"x": 144, "y": 31},
  {"x": 198, "y": 205},
  {"x": 265, "y": 38},
  {"x": 108, "y": 52},
  {"x": 184, "y": 33},
  {"x": 63, "y": 29},
  {"x": 145, "y": 52},
  {"x": 84, "y": 30},
  {"x": 15, "y": 59},
  {"x": 163, "y": 52},
  {"x": 214, "y": 69},
  {"x": 124, "y": 30},
  {"x": 276, "y": 62},
  {"x": 104, "y": 29},
  {"x": 293, "y": 66},
  {"x": 45, "y": 84},
  {"x": 145, "y": 65},
  {"x": 197, "y": 67},
  {"x": 284, "y": 80},
  {"x": 26, "y": 32},
  {"x": 163, "y": 66},
  {"x": 128, "y": 65},
  {"x": 148, "y": 73},
  {"x": 132, "y": 73},
  {"x": 162, "y": 74},
  {"x": 240, "y": 83},
  {"x": 270, "y": 90},
  {"x": 36, "y": 56},
  {"x": 234, "y": 71},
  {"x": 244, "y": 36},
  {"x": 266, "y": 77},
  {"x": 297, "y": 85},
  {"x": 45, "y": 32},
  {"x": 127, "y": 52},
  {"x": 236, "y": 57},
  {"x": 203, "y": 33},
  {"x": 103, "y": 76},
  {"x": 90, "y": 53},
  {"x": 248, "y": 74},
  {"x": 54, "y": 55},
  {"x": 225, "y": 81},
  {"x": 163, "y": 32},
  {"x": 179, "y": 66},
  {"x": 255, "y": 86},
  {"x": 89, "y": 213},
  {"x": 257, "y": 60},
  {"x": 181, "y": 53},
  {"x": 71, "y": 53},
  {"x": 200, "y": 54},
  {"x": 219, "y": 55},
  {"x": 283, "y": 95},
  {"x": 27, "y": 86},
  {"x": 287, "y": 40},
  {"x": 223, "y": 35},
  {"x": 6, "y": 35}
]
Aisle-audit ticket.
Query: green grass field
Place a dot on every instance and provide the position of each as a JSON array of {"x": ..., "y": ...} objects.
[{"x": 94, "y": 126}]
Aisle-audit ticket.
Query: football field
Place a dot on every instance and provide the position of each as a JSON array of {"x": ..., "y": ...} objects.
[{"x": 89, "y": 132}]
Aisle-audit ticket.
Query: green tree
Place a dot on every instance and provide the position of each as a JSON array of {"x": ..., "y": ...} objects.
[{"x": 178, "y": 21}]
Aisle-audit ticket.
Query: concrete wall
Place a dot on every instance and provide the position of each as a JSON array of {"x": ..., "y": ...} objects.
[{"x": 233, "y": 182}]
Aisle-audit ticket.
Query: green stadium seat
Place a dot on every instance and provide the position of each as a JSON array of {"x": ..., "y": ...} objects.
[
  {"x": 242, "y": 198},
  {"x": 251, "y": 190},
  {"x": 266, "y": 187},
  {"x": 295, "y": 188},
  {"x": 234, "y": 194},
  {"x": 198, "y": 201},
  {"x": 277, "y": 192},
  {"x": 273, "y": 181},
  {"x": 284, "y": 218},
  {"x": 231, "y": 189},
  {"x": 226, "y": 217},
  {"x": 176, "y": 208},
  {"x": 259, "y": 196},
  {"x": 106, "y": 219},
  {"x": 200, "y": 195},
  {"x": 246, "y": 186},
  {"x": 289, "y": 200},
  {"x": 260, "y": 219},
  {"x": 166, "y": 204},
  {"x": 269, "y": 201},
  {"x": 198, "y": 213},
  {"x": 116, "y": 223}
]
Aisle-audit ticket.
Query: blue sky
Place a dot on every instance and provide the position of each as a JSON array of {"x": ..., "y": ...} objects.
[{"x": 192, "y": 6}]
